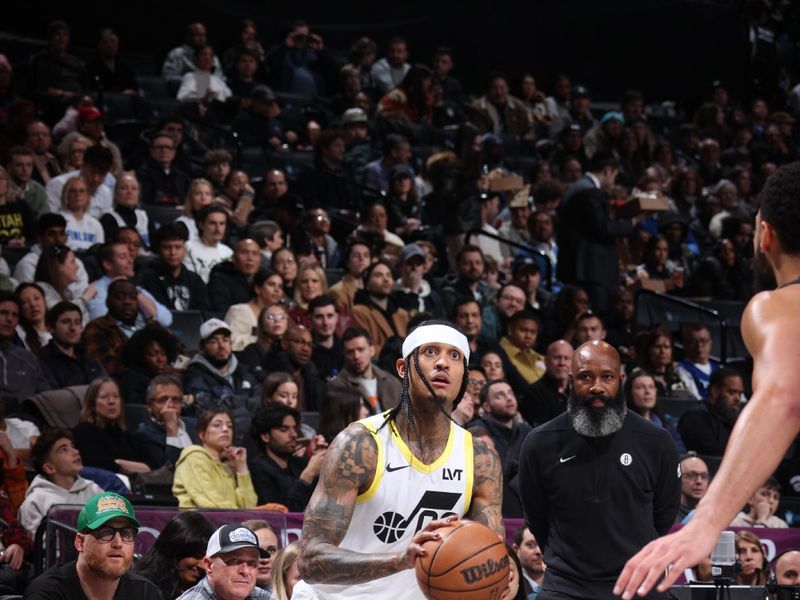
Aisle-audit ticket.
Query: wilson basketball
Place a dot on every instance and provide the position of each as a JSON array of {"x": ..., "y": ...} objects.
[{"x": 469, "y": 562}]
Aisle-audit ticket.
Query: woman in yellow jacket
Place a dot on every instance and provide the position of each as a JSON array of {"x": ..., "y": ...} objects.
[{"x": 214, "y": 474}]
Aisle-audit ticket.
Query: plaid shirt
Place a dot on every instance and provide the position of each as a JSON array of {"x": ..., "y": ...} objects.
[
  {"x": 12, "y": 532},
  {"x": 203, "y": 591}
]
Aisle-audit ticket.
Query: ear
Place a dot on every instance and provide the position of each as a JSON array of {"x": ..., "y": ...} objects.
[
  {"x": 768, "y": 237},
  {"x": 79, "y": 541},
  {"x": 48, "y": 469},
  {"x": 400, "y": 365},
  {"x": 265, "y": 438},
  {"x": 207, "y": 565}
]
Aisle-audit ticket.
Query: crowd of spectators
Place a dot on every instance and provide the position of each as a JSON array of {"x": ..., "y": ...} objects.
[{"x": 306, "y": 206}]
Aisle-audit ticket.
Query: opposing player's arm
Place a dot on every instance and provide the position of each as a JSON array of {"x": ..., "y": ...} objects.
[
  {"x": 487, "y": 488},
  {"x": 768, "y": 424}
]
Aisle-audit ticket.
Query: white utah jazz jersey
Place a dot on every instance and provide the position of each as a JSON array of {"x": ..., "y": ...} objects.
[{"x": 404, "y": 497}]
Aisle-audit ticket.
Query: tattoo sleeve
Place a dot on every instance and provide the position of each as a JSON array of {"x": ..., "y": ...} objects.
[
  {"x": 349, "y": 467},
  {"x": 487, "y": 488}
]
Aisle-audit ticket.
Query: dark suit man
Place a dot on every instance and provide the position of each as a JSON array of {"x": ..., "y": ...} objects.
[{"x": 586, "y": 233}]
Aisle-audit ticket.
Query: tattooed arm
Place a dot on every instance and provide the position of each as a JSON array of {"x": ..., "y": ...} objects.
[
  {"x": 348, "y": 469},
  {"x": 487, "y": 488}
]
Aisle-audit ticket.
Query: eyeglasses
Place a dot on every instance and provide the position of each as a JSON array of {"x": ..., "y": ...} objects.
[
  {"x": 285, "y": 261},
  {"x": 235, "y": 561},
  {"x": 278, "y": 317},
  {"x": 695, "y": 475},
  {"x": 106, "y": 534},
  {"x": 478, "y": 382}
]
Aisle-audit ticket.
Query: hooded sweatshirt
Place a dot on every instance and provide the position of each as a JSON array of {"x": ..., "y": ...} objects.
[
  {"x": 203, "y": 481},
  {"x": 43, "y": 493},
  {"x": 237, "y": 390}
]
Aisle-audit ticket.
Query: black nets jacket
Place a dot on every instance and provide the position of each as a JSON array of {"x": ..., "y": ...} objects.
[{"x": 592, "y": 503}]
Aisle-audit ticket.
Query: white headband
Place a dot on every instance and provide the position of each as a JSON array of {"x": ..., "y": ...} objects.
[{"x": 443, "y": 334}]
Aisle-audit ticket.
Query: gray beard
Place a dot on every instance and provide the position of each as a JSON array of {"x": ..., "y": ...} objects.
[{"x": 596, "y": 422}]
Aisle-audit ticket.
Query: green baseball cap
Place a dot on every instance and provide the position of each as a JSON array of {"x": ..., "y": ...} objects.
[{"x": 101, "y": 508}]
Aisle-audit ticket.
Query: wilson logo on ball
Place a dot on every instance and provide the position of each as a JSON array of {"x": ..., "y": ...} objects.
[{"x": 487, "y": 569}]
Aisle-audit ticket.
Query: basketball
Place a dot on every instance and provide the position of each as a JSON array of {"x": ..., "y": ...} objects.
[{"x": 469, "y": 562}]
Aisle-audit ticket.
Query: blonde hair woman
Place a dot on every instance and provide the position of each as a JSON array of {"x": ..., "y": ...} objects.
[
  {"x": 285, "y": 572},
  {"x": 125, "y": 211},
  {"x": 83, "y": 230},
  {"x": 199, "y": 194},
  {"x": 311, "y": 282}
]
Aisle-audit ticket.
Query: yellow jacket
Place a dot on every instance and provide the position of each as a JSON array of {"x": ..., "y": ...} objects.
[{"x": 201, "y": 481}]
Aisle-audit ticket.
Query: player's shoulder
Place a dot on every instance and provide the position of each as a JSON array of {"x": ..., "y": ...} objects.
[
  {"x": 768, "y": 305},
  {"x": 357, "y": 436}
]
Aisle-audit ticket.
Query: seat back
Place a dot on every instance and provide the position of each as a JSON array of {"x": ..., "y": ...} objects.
[{"x": 186, "y": 327}]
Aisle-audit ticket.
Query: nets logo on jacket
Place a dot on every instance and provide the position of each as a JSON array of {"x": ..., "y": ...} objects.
[{"x": 391, "y": 526}]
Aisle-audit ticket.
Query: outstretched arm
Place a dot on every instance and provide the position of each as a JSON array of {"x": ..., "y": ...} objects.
[
  {"x": 769, "y": 423},
  {"x": 487, "y": 489},
  {"x": 348, "y": 469}
]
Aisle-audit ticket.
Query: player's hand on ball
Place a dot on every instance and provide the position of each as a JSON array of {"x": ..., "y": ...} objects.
[{"x": 415, "y": 548}]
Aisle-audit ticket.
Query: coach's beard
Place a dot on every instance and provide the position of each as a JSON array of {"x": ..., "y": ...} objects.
[{"x": 596, "y": 422}]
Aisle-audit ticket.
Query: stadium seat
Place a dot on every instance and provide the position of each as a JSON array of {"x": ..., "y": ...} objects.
[
  {"x": 161, "y": 215},
  {"x": 311, "y": 419},
  {"x": 675, "y": 407},
  {"x": 333, "y": 275},
  {"x": 135, "y": 414},
  {"x": 186, "y": 327},
  {"x": 13, "y": 254},
  {"x": 153, "y": 86}
]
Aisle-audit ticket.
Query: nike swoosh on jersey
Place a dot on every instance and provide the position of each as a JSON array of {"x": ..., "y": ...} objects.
[
  {"x": 563, "y": 460},
  {"x": 390, "y": 468}
]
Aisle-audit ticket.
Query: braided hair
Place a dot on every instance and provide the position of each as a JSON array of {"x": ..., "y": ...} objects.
[{"x": 404, "y": 403}]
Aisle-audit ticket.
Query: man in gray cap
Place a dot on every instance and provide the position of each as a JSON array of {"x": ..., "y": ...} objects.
[
  {"x": 217, "y": 380},
  {"x": 231, "y": 566},
  {"x": 359, "y": 151},
  {"x": 411, "y": 290}
]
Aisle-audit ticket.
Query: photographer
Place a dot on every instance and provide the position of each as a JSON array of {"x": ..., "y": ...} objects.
[{"x": 302, "y": 65}]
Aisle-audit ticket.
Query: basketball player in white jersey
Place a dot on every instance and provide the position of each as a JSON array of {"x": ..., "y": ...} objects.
[{"x": 389, "y": 481}]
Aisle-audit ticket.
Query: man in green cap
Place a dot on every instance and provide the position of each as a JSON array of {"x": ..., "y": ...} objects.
[{"x": 107, "y": 529}]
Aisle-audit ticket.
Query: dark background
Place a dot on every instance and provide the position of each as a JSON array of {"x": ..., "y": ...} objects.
[{"x": 670, "y": 49}]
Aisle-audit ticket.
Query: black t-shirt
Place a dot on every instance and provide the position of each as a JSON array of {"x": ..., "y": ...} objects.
[
  {"x": 17, "y": 221},
  {"x": 62, "y": 583}
]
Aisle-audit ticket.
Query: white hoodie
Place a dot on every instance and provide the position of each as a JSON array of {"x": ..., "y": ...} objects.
[{"x": 43, "y": 493}]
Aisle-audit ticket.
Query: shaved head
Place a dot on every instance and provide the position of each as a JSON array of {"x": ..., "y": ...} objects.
[
  {"x": 595, "y": 405},
  {"x": 595, "y": 350}
]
